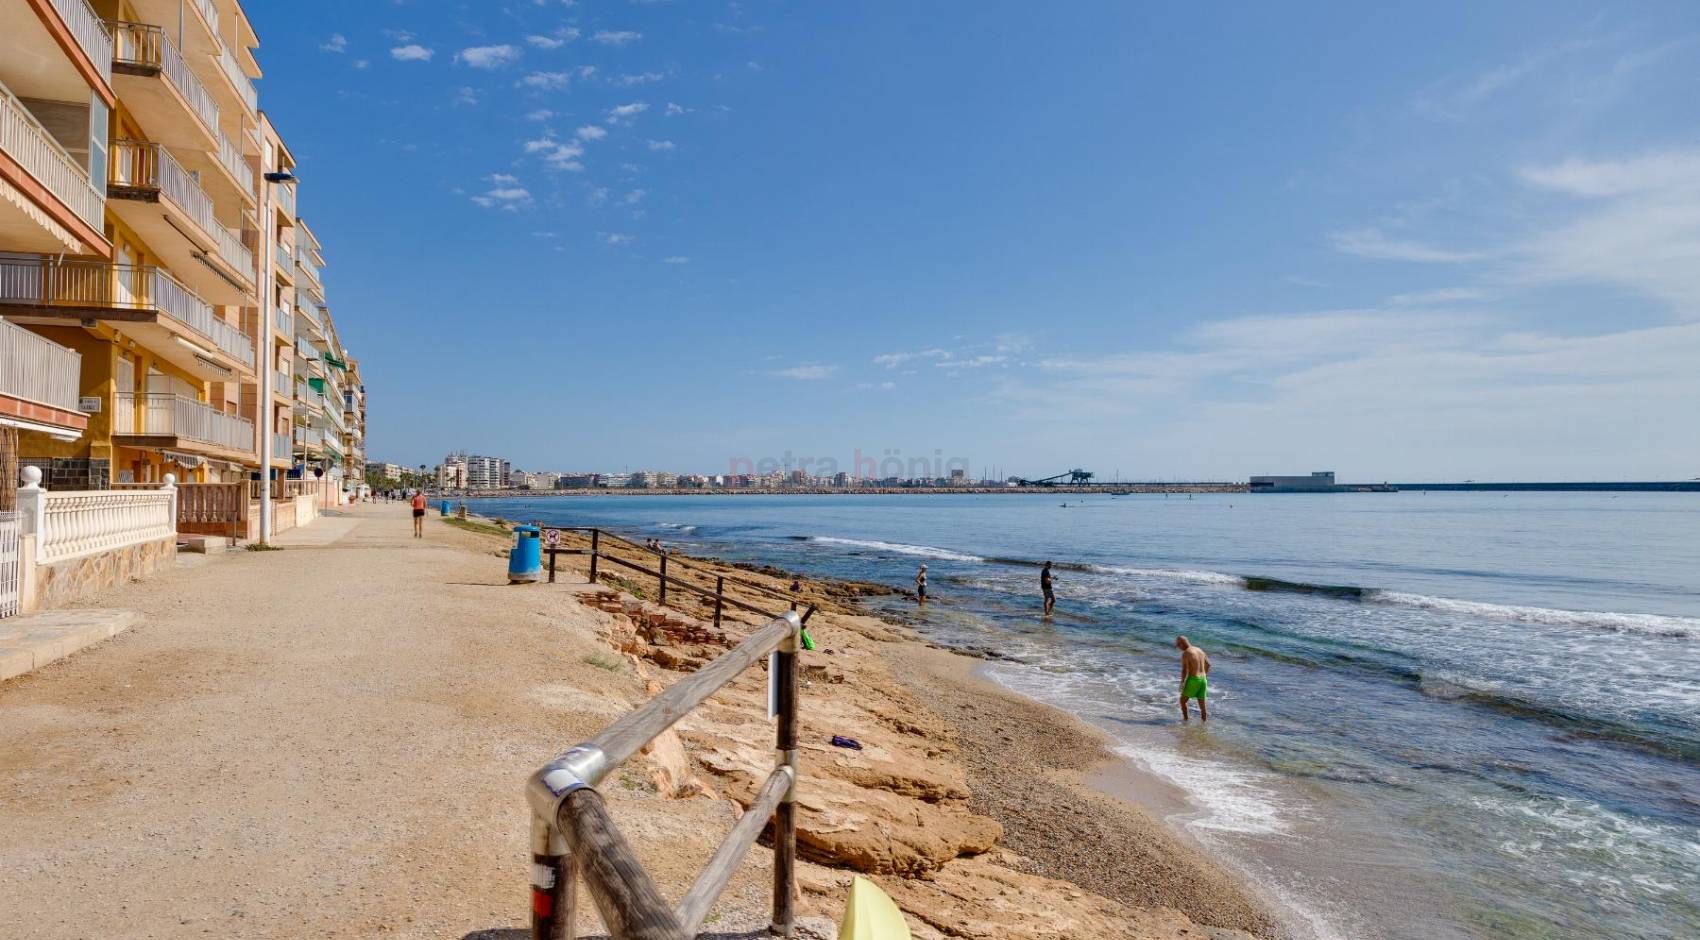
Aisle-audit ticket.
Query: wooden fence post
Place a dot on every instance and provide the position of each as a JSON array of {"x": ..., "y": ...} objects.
[
  {"x": 719, "y": 598},
  {"x": 594, "y": 533},
  {"x": 785, "y": 816},
  {"x": 663, "y": 579}
]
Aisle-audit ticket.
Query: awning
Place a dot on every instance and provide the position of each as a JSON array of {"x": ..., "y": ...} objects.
[
  {"x": 63, "y": 434},
  {"x": 318, "y": 385},
  {"x": 183, "y": 460},
  {"x": 334, "y": 361}
]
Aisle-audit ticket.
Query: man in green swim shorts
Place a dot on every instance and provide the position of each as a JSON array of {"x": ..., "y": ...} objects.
[{"x": 1195, "y": 682}]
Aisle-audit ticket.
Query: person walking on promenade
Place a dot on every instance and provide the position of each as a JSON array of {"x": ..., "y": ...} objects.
[
  {"x": 1195, "y": 682},
  {"x": 921, "y": 585},
  {"x": 418, "y": 514},
  {"x": 1045, "y": 585}
]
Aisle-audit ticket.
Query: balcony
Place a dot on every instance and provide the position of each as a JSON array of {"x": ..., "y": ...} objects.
[
  {"x": 157, "y": 197},
  {"x": 283, "y": 198},
  {"x": 281, "y": 450},
  {"x": 39, "y": 382},
  {"x": 84, "y": 25},
  {"x": 25, "y": 226},
  {"x": 307, "y": 267},
  {"x": 153, "y": 306},
  {"x": 283, "y": 384},
  {"x": 243, "y": 86},
  {"x": 173, "y": 421},
  {"x": 283, "y": 321},
  {"x": 283, "y": 263},
  {"x": 194, "y": 25},
  {"x": 155, "y": 82}
]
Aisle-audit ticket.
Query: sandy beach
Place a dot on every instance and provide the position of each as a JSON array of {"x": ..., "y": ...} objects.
[{"x": 347, "y": 761}]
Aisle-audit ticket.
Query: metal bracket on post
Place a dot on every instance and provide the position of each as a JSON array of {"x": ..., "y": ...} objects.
[{"x": 577, "y": 768}]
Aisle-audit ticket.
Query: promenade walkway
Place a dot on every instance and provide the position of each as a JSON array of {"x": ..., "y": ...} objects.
[{"x": 328, "y": 740}]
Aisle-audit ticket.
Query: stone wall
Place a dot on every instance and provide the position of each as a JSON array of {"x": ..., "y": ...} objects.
[
  {"x": 71, "y": 473},
  {"x": 61, "y": 583}
]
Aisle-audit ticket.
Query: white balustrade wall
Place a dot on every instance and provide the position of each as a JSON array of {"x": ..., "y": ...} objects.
[{"x": 77, "y": 523}]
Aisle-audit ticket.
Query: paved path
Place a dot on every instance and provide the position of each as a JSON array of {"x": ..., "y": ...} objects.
[{"x": 327, "y": 740}]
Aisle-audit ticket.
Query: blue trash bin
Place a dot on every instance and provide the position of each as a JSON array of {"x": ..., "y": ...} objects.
[
  {"x": 525, "y": 562},
  {"x": 445, "y": 506}
]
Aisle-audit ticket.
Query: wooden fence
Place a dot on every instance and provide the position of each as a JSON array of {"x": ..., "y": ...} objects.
[{"x": 572, "y": 834}]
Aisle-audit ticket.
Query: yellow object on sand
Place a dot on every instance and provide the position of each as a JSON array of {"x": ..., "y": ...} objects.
[{"x": 870, "y": 915}]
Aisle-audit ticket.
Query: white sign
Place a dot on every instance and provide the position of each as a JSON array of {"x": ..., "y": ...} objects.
[
  {"x": 552, "y": 537},
  {"x": 89, "y": 404}
]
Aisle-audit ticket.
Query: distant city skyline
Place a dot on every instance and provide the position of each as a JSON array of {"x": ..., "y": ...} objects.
[{"x": 1443, "y": 242}]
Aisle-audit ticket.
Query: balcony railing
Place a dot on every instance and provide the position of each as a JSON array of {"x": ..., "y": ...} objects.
[
  {"x": 24, "y": 140},
  {"x": 86, "y": 28},
  {"x": 168, "y": 415},
  {"x": 283, "y": 383},
  {"x": 308, "y": 268},
  {"x": 284, "y": 321},
  {"x": 209, "y": 12},
  {"x": 283, "y": 259},
  {"x": 37, "y": 369},
  {"x": 238, "y": 167},
  {"x": 244, "y": 86},
  {"x": 143, "y": 164},
  {"x": 280, "y": 446},
  {"x": 148, "y": 46},
  {"x": 93, "y": 284},
  {"x": 285, "y": 196}
]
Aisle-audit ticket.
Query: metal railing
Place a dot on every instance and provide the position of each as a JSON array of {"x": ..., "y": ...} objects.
[
  {"x": 143, "y": 164},
  {"x": 37, "y": 369},
  {"x": 244, "y": 86},
  {"x": 283, "y": 383},
  {"x": 284, "y": 260},
  {"x": 95, "y": 284},
  {"x": 572, "y": 834},
  {"x": 283, "y": 320},
  {"x": 285, "y": 196},
  {"x": 24, "y": 139},
  {"x": 280, "y": 446},
  {"x": 166, "y": 414},
  {"x": 308, "y": 268},
  {"x": 209, "y": 12},
  {"x": 231, "y": 158},
  {"x": 86, "y": 27},
  {"x": 143, "y": 45}
]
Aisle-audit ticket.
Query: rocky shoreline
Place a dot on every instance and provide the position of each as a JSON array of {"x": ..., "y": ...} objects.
[{"x": 969, "y": 804}]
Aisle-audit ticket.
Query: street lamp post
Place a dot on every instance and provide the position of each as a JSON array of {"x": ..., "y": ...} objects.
[{"x": 262, "y": 351}]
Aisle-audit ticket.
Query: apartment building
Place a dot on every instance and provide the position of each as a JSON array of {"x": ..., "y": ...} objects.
[{"x": 162, "y": 299}]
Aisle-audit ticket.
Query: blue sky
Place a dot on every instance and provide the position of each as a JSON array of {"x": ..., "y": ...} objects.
[{"x": 1403, "y": 241}]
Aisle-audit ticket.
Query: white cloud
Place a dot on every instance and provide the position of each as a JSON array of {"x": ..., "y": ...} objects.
[
  {"x": 676, "y": 259},
  {"x": 626, "y": 112},
  {"x": 337, "y": 43},
  {"x": 617, "y": 238},
  {"x": 505, "y": 193},
  {"x": 641, "y": 78},
  {"x": 975, "y": 362},
  {"x": 660, "y": 144},
  {"x": 555, "y": 40},
  {"x": 615, "y": 37},
  {"x": 541, "y": 114},
  {"x": 676, "y": 109},
  {"x": 597, "y": 196},
  {"x": 488, "y": 57},
  {"x": 412, "y": 53},
  {"x": 362, "y": 63},
  {"x": 875, "y": 386},
  {"x": 591, "y": 132},
  {"x": 546, "y": 81},
  {"x": 1638, "y": 227},
  {"x": 893, "y": 360},
  {"x": 635, "y": 196},
  {"x": 1439, "y": 295},
  {"x": 557, "y": 154},
  {"x": 811, "y": 372},
  {"x": 1371, "y": 243},
  {"x": 466, "y": 97}
]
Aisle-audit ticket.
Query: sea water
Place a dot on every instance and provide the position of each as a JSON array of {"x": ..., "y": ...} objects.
[{"x": 1432, "y": 714}]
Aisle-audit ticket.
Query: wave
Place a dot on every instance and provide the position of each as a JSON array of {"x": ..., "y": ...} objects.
[
  {"x": 1648, "y": 624},
  {"x": 1651, "y": 624},
  {"x": 679, "y": 526},
  {"x": 924, "y": 551}
]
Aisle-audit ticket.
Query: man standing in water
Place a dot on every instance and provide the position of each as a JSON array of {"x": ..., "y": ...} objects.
[
  {"x": 1195, "y": 669},
  {"x": 921, "y": 585},
  {"x": 1045, "y": 586}
]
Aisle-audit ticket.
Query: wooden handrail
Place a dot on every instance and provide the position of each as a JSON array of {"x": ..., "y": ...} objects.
[
  {"x": 662, "y": 577},
  {"x": 572, "y": 832}
]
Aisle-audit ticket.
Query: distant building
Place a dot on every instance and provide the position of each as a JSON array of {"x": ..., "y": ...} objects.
[
  {"x": 1319, "y": 482},
  {"x": 615, "y": 480},
  {"x": 485, "y": 473},
  {"x": 387, "y": 471},
  {"x": 451, "y": 475},
  {"x": 577, "y": 481}
]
